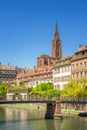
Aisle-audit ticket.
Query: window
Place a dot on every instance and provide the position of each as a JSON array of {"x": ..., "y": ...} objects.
[
  {"x": 80, "y": 74},
  {"x": 45, "y": 62},
  {"x": 3, "y": 76},
  {"x": 85, "y": 74},
  {"x": 72, "y": 66},
  {"x": 72, "y": 75},
  {"x": 76, "y": 66},
  {"x": 69, "y": 68},
  {"x": 80, "y": 65},
  {"x": 77, "y": 75},
  {"x": 85, "y": 64},
  {"x": 63, "y": 69}
]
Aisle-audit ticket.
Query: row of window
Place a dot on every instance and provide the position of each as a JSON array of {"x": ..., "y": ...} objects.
[
  {"x": 79, "y": 65},
  {"x": 39, "y": 77},
  {"x": 62, "y": 69},
  {"x": 79, "y": 75},
  {"x": 8, "y": 71},
  {"x": 7, "y": 76},
  {"x": 68, "y": 68},
  {"x": 64, "y": 78}
]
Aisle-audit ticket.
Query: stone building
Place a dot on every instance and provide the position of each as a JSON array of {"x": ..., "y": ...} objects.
[
  {"x": 45, "y": 60},
  {"x": 79, "y": 63},
  {"x": 74, "y": 67},
  {"x": 8, "y": 73}
]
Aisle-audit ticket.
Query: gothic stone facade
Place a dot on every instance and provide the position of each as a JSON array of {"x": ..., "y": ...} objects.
[{"x": 45, "y": 60}]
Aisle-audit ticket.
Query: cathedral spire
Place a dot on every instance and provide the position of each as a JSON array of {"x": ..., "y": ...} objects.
[
  {"x": 56, "y": 34},
  {"x": 56, "y": 45}
]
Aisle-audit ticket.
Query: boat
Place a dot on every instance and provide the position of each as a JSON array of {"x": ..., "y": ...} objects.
[{"x": 83, "y": 114}]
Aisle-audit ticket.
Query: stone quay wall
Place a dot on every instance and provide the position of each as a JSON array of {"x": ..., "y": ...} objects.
[{"x": 74, "y": 106}]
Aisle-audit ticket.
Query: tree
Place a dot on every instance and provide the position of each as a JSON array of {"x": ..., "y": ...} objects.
[
  {"x": 46, "y": 89},
  {"x": 75, "y": 88},
  {"x": 3, "y": 91},
  {"x": 42, "y": 88}
]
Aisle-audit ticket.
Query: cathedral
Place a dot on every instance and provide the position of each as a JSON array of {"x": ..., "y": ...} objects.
[
  {"x": 45, "y": 60},
  {"x": 43, "y": 71}
]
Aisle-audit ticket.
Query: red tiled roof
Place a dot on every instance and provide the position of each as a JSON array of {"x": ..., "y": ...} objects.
[{"x": 32, "y": 73}]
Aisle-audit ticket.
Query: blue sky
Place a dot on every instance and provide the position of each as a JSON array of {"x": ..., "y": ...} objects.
[{"x": 27, "y": 28}]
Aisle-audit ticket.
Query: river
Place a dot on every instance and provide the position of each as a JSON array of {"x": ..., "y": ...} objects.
[{"x": 23, "y": 119}]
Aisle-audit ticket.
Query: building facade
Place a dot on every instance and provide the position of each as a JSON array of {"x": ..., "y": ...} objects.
[
  {"x": 8, "y": 73},
  {"x": 43, "y": 61},
  {"x": 79, "y": 63},
  {"x": 34, "y": 77},
  {"x": 62, "y": 72},
  {"x": 71, "y": 67}
]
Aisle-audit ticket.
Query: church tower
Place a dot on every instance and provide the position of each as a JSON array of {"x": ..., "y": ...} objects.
[{"x": 56, "y": 45}]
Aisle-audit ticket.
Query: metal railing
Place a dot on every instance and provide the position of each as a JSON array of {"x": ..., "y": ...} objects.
[{"x": 49, "y": 98}]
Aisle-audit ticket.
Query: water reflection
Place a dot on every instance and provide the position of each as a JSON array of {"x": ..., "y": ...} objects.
[
  {"x": 16, "y": 114},
  {"x": 22, "y": 119},
  {"x": 68, "y": 123},
  {"x": 13, "y": 114}
]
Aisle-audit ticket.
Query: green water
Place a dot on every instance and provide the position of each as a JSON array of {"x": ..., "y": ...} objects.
[{"x": 22, "y": 119}]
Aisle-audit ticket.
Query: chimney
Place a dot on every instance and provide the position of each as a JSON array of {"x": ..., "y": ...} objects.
[{"x": 80, "y": 47}]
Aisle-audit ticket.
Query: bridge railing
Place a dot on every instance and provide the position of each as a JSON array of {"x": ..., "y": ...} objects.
[
  {"x": 52, "y": 98},
  {"x": 33, "y": 98},
  {"x": 42, "y": 98},
  {"x": 73, "y": 99}
]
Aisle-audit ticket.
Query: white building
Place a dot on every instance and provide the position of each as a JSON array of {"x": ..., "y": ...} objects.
[{"x": 62, "y": 72}]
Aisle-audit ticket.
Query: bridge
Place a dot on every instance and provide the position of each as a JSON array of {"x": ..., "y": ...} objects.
[{"x": 53, "y": 107}]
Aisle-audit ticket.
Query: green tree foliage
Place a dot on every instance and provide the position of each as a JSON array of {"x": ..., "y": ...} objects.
[
  {"x": 29, "y": 90},
  {"x": 46, "y": 89},
  {"x": 15, "y": 84},
  {"x": 75, "y": 88},
  {"x": 41, "y": 88},
  {"x": 3, "y": 91}
]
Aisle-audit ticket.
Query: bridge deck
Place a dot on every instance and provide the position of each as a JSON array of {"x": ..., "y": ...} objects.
[
  {"x": 26, "y": 101},
  {"x": 39, "y": 101}
]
